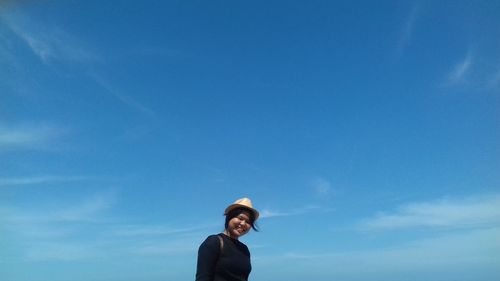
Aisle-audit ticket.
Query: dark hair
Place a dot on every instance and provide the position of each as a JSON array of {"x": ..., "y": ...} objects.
[{"x": 236, "y": 212}]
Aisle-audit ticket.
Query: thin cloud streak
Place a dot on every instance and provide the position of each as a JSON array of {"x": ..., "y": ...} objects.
[
  {"x": 494, "y": 81},
  {"x": 57, "y": 251},
  {"x": 28, "y": 136},
  {"x": 56, "y": 234},
  {"x": 88, "y": 211},
  {"x": 164, "y": 248},
  {"x": 86, "y": 232},
  {"x": 128, "y": 101},
  {"x": 266, "y": 213},
  {"x": 408, "y": 29},
  {"x": 155, "y": 230},
  {"x": 48, "y": 44},
  {"x": 468, "y": 213},
  {"x": 438, "y": 253},
  {"x": 458, "y": 74},
  {"x": 36, "y": 180},
  {"x": 322, "y": 187}
]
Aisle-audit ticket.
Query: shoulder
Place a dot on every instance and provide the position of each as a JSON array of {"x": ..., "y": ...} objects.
[
  {"x": 211, "y": 241},
  {"x": 214, "y": 237}
]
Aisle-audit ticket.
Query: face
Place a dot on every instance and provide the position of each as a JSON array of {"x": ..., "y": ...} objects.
[{"x": 239, "y": 225}]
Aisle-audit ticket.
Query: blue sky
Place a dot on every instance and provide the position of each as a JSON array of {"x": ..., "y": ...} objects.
[{"x": 367, "y": 134}]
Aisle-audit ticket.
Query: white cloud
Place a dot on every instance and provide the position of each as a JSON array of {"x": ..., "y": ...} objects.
[
  {"x": 53, "y": 44},
  {"x": 155, "y": 230},
  {"x": 61, "y": 231},
  {"x": 127, "y": 100},
  {"x": 322, "y": 187},
  {"x": 165, "y": 248},
  {"x": 47, "y": 43},
  {"x": 88, "y": 210},
  {"x": 446, "y": 253},
  {"x": 470, "y": 212},
  {"x": 494, "y": 80},
  {"x": 47, "y": 251},
  {"x": 458, "y": 74},
  {"x": 28, "y": 136},
  {"x": 266, "y": 213},
  {"x": 269, "y": 214},
  {"x": 34, "y": 180},
  {"x": 87, "y": 230},
  {"x": 408, "y": 28}
]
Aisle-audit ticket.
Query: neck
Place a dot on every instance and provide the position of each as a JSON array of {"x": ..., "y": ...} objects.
[{"x": 229, "y": 234}]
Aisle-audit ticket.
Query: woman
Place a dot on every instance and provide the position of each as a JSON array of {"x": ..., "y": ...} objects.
[{"x": 223, "y": 257}]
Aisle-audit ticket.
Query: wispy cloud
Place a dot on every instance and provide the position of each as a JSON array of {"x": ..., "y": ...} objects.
[
  {"x": 29, "y": 136},
  {"x": 90, "y": 229},
  {"x": 460, "y": 70},
  {"x": 407, "y": 29},
  {"x": 442, "y": 253},
  {"x": 87, "y": 211},
  {"x": 155, "y": 230},
  {"x": 148, "y": 51},
  {"x": 35, "y": 180},
  {"x": 164, "y": 248},
  {"x": 474, "y": 71},
  {"x": 7, "y": 54},
  {"x": 266, "y": 213},
  {"x": 11, "y": 3},
  {"x": 322, "y": 187},
  {"x": 47, "y": 43},
  {"x": 470, "y": 212},
  {"x": 125, "y": 99},
  {"x": 52, "y": 44},
  {"x": 494, "y": 80},
  {"x": 63, "y": 231},
  {"x": 159, "y": 239},
  {"x": 61, "y": 251}
]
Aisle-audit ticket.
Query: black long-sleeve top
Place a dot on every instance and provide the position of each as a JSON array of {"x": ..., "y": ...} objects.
[{"x": 232, "y": 264}]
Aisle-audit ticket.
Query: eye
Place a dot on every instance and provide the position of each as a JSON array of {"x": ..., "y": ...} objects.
[{"x": 241, "y": 218}]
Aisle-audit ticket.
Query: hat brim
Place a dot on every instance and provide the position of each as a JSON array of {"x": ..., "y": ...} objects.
[{"x": 236, "y": 206}]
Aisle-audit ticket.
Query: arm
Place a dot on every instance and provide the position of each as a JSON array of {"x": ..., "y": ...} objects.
[{"x": 208, "y": 254}]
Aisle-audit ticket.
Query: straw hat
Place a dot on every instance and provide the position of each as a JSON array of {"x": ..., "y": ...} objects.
[{"x": 242, "y": 203}]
